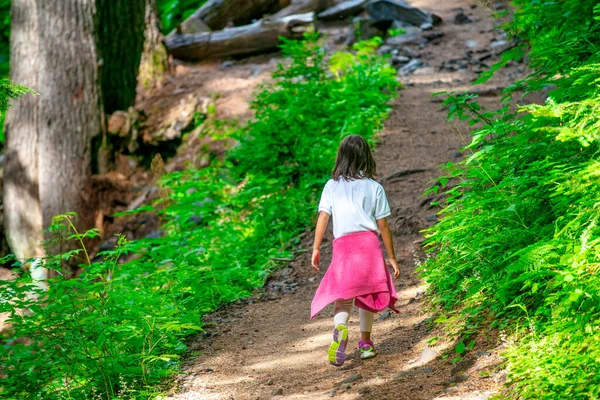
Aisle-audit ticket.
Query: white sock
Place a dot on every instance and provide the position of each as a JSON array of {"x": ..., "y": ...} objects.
[
  {"x": 341, "y": 318},
  {"x": 366, "y": 320}
]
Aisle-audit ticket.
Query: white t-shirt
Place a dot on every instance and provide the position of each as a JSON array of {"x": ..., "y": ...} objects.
[{"x": 354, "y": 205}]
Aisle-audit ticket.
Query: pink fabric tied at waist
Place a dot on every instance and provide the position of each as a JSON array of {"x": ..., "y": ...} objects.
[{"x": 358, "y": 271}]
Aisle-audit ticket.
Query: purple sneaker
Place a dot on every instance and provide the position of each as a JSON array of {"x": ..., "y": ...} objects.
[
  {"x": 367, "y": 349},
  {"x": 337, "y": 350}
]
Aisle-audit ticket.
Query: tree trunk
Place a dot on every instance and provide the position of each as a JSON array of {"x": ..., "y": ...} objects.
[
  {"x": 218, "y": 14},
  {"x": 70, "y": 110},
  {"x": 155, "y": 60},
  {"x": 249, "y": 39},
  {"x": 120, "y": 39},
  {"x": 55, "y": 50},
  {"x": 22, "y": 208}
]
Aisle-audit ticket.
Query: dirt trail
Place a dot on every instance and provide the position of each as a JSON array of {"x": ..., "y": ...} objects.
[{"x": 267, "y": 348}]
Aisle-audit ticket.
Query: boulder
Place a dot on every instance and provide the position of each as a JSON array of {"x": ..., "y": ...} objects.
[
  {"x": 343, "y": 10},
  {"x": 382, "y": 11}
]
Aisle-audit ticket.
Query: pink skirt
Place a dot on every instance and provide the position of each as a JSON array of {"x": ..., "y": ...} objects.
[{"x": 358, "y": 271}]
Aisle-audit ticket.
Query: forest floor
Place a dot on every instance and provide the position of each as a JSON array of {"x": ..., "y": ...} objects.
[{"x": 266, "y": 347}]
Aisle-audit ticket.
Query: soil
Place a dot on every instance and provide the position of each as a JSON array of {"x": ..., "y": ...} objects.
[{"x": 266, "y": 347}]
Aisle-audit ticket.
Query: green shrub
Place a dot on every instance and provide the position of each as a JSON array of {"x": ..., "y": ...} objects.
[
  {"x": 118, "y": 329},
  {"x": 174, "y": 12},
  {"x": 519, "y": 238}
]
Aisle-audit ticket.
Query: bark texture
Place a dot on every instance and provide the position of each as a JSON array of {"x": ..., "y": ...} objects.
[
  {"x": 22, "y": 208},
  {"x": 70, "y": 108},
  {"x": 120, "y": 29},
  {"x": 259, "y": 36},
  {"x": 155, "y": 60}
]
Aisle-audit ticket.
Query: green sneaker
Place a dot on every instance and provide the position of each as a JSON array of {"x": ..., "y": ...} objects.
[
  {"x": 367, "y": 349},
  {"x": 337, "y": 350}
]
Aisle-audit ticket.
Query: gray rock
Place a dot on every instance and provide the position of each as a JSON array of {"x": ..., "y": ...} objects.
[
  {"x": 431, "y": 35},
  {"x": 332, "y": 393},
  {"x": 364, "y": 390},
  {"x": 413, "y": 372},
  {"x": 386, "y": 49},
  {"x": 498, "y": 43},
  {"x": 426, "y": 26},
  {"x": 397, "y": 62},
  {"x": 461, "y": 18},
  {"x": 411, "y": 35},
  {"x": 386, "y": 314},
  {"x": 343, "y": 10},
  {"x": 411, "y": 66},
  {"x": 408, "y": 52},
  {"x": 396, "y": 10},
  {"x": 351, "y": 379},
  {"x": 471, "y": 44},
  {"x": 226, "y": 64}
]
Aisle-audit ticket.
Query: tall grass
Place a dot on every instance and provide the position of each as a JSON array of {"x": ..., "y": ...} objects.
[{"x": 519, "y": 240}]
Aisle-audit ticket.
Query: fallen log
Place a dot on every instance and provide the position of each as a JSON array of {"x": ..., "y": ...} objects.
[
  {"x": 304, "y": 6},
  {"x": 343, "y": 10},
  {"x": 249, "y": 39},
  {"x": 218, "y": 14}
]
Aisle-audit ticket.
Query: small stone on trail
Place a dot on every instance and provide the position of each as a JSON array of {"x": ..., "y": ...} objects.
[
  {"x": 426, "y": 26},
  {"x": 412, "y": 372},
  {"x": 346, "y": 386},
  {"x": 385, "y": 315},
  {"x": 498, "y": 43},
  {"x": 364, "y": 390},
  {"x": 270, "y": 382},
  {"x": 397, "y": 61},
  {"x": 332, "y": 393},
  {"x": 458, "y": 378},
  {"x": 432, "y": 35},
  {"x": 411, "y": 66},
  {"x": 226, "y": 64},
  {"x": 351, "y": 379},
  {"x": 461, "y": 18},
  {"x": 471, "y": 44},
  {"x": 277, "y": 392}
]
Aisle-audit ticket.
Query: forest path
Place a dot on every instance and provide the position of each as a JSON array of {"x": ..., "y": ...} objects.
[{"x": 266, "y": 347}]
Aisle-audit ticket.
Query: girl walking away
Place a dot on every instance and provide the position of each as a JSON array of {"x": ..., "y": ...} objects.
[{"x": 357, "y": 273}]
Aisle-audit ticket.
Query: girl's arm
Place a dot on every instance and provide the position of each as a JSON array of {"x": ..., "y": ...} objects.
[
  {"x": 386, "y": 235},
  {"x": 319, "y": 232}
]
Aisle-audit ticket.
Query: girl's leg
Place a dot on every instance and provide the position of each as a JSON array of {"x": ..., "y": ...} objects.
[
  {"x": 366, "y": 324},
  {"x": 337, "y": 349},
  {"x": 341, "y": 312},
  {"x": 365, "y": 345}
]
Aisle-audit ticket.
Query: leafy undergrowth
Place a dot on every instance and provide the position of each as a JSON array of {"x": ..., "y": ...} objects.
[
  {"x": 518, "y": 246},
  {"x": 119, "y": 329},
  {"x": 174, "y": 12}
]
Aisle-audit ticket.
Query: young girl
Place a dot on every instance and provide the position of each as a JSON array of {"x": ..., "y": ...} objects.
[{"x": 357, "y": 273}]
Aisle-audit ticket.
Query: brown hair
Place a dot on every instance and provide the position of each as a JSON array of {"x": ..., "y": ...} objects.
[{"x": 354, "y": 160}]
